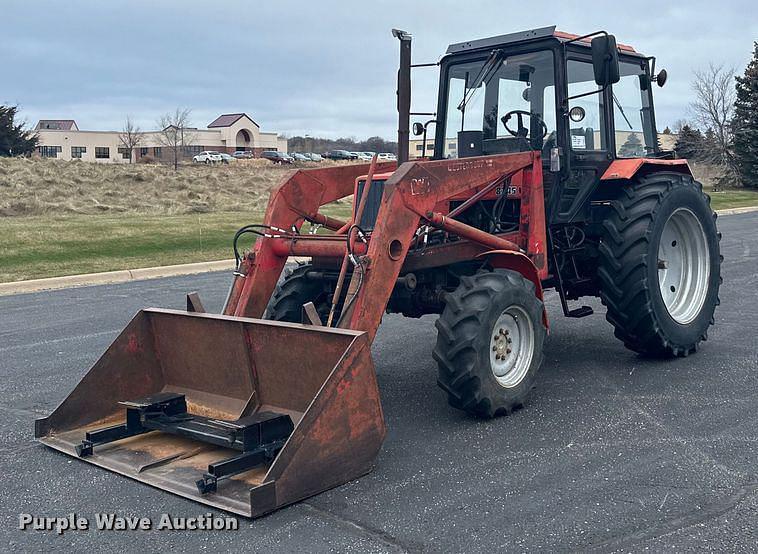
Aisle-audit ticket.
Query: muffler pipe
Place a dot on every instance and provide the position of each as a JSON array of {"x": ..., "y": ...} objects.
[{"x": 403, "y": 95}]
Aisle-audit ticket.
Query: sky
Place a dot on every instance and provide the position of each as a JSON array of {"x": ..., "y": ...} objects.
[{"x": 322, "y": 68}]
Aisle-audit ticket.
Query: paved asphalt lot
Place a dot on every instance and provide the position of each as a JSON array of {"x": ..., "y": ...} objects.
[{"x": 614, "y": 452}]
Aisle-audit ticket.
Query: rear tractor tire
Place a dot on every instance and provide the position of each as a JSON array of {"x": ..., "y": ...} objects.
[
  {"x": 489, "y": 342},
  {"x": 660, "y": 265}
]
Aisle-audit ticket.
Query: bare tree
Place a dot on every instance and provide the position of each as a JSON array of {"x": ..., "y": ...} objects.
[
  {"x": 130, "y": 137},
  {"x": 175, "y": 133},
  {"x": 713, "y": 109}
]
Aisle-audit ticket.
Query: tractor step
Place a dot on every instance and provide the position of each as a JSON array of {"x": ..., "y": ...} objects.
[
  {"x": 584, "y": 311},
  {"x": 258, "y": 437}
]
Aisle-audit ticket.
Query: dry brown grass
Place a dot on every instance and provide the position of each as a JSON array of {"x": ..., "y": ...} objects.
[
  {"x": 44, "y": 186},
  {"x": 146, "y": 215}
]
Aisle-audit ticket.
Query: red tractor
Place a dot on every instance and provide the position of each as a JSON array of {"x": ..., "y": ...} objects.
[{"x": 546, "y": 173}]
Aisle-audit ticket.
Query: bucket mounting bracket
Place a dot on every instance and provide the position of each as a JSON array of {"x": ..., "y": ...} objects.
[{"x": 258, "y": 437}]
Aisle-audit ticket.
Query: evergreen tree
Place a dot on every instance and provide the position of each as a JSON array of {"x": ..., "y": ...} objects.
[
  {"x": 14, "y": 139},
  {"x": 632, "y": 148},
  {"x": 745, "y": 123},
  {"x": 710, "y": 152},
  {"x": 689, "y": 143}
]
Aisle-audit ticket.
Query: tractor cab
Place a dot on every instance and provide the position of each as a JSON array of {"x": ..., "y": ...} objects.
[{"x": 582, "y": 102}]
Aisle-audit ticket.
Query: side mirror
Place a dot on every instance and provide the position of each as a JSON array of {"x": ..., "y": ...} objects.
[
  {"x": 418, "y": 129},
  {"x": 605, "y": 60},
  {"x": 661, "y": 77}
]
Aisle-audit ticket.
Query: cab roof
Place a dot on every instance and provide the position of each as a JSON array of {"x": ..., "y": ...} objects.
[{"x": 523, "y": 36}]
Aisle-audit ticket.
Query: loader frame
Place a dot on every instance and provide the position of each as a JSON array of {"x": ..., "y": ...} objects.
[{"x": 415, "y": 195}]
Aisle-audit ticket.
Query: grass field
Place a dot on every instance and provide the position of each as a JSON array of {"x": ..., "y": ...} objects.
[
  {"x": 734, "y": 198},
  {"x": 39, "y": 246},
  {"x": 64, "y": 218}
]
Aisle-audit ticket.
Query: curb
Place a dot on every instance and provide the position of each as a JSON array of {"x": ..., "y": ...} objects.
[
  {"x": 735, "y": 211},
  {"x": 120, "y": 276},
  {"x": 126, "y": 275}
]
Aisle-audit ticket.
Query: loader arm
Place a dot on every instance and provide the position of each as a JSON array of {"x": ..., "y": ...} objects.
[
  {"x": 297, "y": 198},
  {"x": 410, "y": 196}
]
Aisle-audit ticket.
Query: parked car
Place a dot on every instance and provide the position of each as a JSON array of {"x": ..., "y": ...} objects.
[
  {"x": 340, "y": 155},
  {"x": 362, "y": 156},
  {"x": 314, "y": 157},
  {"x": 226, "y": 158},
  {"x": 243, "y": 154},
  {"x": 386, "y": 157},
  {"x": 300, "y": 157},
  {"x": 277, "y": 157},
  {"x": 207, "y": 157}
]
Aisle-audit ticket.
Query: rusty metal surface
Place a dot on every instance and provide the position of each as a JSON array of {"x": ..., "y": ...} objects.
[
  {"x": 238, "y": 281},
  {"x": 331, "y": 223},
  {"x": 326, "y": 246},
  {"x": 410, "y": 193},
  {"x": 337, "y": 439},
  {"x": 301, "y": 193},
  {"x": 446, "y": 253},
  {"x": 194, "y": 304},
  {"x": 473, "y": 234},
  {"x": 230, "y": 367}
]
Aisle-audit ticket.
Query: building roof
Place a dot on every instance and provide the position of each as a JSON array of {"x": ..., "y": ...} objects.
[
  {"x": 229, "y": 119},
  {"x": 57, "y": 124}
]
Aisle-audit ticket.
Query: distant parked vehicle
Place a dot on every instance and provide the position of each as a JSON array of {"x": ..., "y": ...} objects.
[
  {"x": 243, "y": 154},
  {"x": 277, "y": 157},
  {"x": 386, "y": 157},
  {"x": 314, "y": 157},
  {"x": 362, "y": 156},
  {"x": 226, "y": 158},
  {"x": 207, "y": 157},
  {"x": 340, "y": 155},
  {"x": 300, "y": 157}
]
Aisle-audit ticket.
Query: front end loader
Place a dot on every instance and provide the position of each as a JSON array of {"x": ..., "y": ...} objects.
[{"x": 276, "y": 399}]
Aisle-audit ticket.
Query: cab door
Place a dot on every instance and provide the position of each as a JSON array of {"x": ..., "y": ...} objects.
[{"x": 587, "y": 138}]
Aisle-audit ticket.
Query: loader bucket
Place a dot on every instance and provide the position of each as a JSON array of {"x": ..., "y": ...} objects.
[{"x": 242, "y": 414}]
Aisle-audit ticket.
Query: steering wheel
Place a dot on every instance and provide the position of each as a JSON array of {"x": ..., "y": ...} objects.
[{"x": 521, "y": 131}]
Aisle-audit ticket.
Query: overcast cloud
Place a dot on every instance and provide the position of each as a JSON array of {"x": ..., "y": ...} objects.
[{"x": 323, "y": 68}]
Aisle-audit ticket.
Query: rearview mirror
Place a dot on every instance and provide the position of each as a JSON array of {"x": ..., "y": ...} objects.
[
  {"x": 661, "y": 77},
  {"x": 605, "y": 60},
  {"x": 418, "y": 129}
]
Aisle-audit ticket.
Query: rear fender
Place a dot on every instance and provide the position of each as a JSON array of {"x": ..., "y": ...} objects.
[
  {"x": 516, "y": 261},
  {"x": 625, "y": 169}
]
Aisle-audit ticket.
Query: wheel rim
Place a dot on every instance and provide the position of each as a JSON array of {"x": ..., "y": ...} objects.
[
  {"x": 684, "y": 266},
  {"x": 511, "y": 346}
]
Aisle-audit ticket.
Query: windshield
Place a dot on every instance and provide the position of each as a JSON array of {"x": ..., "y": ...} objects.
[{"x": 481, "y": 93}]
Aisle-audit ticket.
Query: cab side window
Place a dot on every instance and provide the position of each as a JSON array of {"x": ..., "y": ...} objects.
[
  {"x": 588, "y": 133},
  {"x": 631, "y": 112}
]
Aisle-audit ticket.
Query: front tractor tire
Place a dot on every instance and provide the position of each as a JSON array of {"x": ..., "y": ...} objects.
[
  {"x": 295, "y": 290},
  {"x": 660, "y": 265},
  {"x": 489, "y": 342}
]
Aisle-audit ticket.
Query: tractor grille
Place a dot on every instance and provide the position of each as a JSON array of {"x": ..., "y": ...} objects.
[{"x": 371, "y": 209}]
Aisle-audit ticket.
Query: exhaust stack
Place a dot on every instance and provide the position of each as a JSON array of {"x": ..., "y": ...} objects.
[{"x": 403, "y": 95}]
